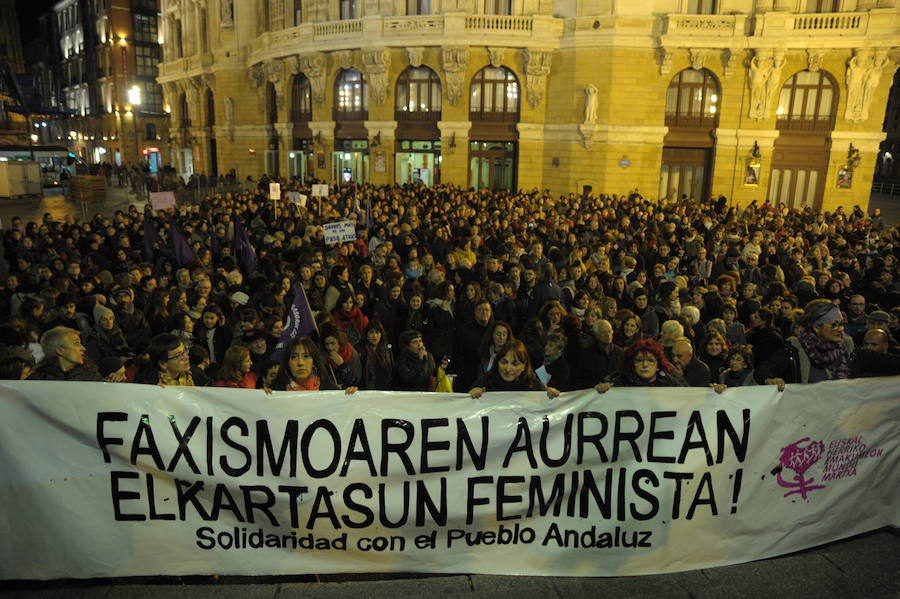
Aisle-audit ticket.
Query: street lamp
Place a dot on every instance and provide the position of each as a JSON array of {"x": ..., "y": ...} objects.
[{"x": 134, "y": 98}]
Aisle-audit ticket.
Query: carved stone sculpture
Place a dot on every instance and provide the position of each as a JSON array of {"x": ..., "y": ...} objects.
[
  {"x": 376, "y": 64},
  {"x": 454, "y": 60},
  {"x": 698, "y": 58},
  {"x": 226, "y": 14},
  {"x": 313, "y": 66},
  {"x": 537, "y": 68},
  {"x": 765, "y": 76},
  {"x": 590, "y": 104},
  {"x": 415, "y": 56},
  {"x": 863, "y": 76},
  {"x": 814, "y": 60},
  {"x": 495, "y": 56}
]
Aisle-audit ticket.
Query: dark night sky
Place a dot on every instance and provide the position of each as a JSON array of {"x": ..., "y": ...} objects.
[{"x": 28, "y": 11}]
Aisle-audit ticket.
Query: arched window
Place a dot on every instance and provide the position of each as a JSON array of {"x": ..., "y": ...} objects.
[
  {"x": 418, "y": 91},
  {"x": 807, "y": 103},
  {"x": 693, "y": 100},
  {"x": 183, "y": 109},
  {"x": 350, "y": 101},
  {"x": 494, "y": 95},
  {"x": 271, "y": 104},
  {"x": 301, "y": 99},
  {"x": 210, "y": 109}
]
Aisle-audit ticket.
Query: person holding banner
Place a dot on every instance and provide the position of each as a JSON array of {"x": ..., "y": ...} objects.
[
  {"x": 169, "y": 363},
  {"x": 342, "y": 359},
  {"x": 237, "y": 369},
  {"x": 819, "y": 352},
  {"x": 303, "y": 369},
  {"x": 644, "y": 364},
  {"x": 511, "y": 372}
]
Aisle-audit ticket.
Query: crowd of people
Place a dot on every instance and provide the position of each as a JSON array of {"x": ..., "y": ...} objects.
[{"x": 446, "y": 288}]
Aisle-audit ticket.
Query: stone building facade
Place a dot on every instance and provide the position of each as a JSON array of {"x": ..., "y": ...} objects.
[
  {"x": 110, "y": 53},
  {"x": 778, "y": 99}
]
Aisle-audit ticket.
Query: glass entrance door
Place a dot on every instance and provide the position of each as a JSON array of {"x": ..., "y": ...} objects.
[
  {"x": 350, "y": 166},
  {"x": 794, "y": 187},
  {"x": 684, "y": 172},
  {"x": 421, "y": 168},
  {"x": 492, "y": 165}
]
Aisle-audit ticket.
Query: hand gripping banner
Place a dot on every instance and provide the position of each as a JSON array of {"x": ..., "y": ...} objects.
[{"x": 105, "y": 480}]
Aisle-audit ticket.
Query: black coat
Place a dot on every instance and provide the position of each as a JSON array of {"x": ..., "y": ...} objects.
[
  {"x": 414, "y": 373},
  {"x": 50, "y": 371},
  {"x": 491, "y": 381}
]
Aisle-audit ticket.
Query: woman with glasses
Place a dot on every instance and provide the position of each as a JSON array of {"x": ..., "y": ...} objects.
[
  {"x": 644, "y": 364},
  {"x": 820, "y": 350},
  {"x": 169, "y": 363}
]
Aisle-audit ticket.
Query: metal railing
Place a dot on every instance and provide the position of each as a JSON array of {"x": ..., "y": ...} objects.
[{"x": 891, "y": 189}]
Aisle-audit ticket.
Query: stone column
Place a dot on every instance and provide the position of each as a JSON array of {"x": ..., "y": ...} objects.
[
  {"x": 867, "y": 143},
  {"x": 531, "y": 155},
  {"x": 382, "y": 155},
  {"x": 734, "y": 150},
  {"x": 323, "y": 146},
  {"x": 455, "y": 151}
]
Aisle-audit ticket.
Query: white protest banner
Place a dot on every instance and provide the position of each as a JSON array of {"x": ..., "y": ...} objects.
[
  {"x": 274, "y": 191},
  {"x": 319, "y": 190},
  {"x": 339, "y": 232},
  {"x": 160, "y": 200},
  {"x": 101, "y": 480},
  {"x": 295, "y": 197}
]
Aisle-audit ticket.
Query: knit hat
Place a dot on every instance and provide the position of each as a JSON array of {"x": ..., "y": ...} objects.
[
  {"x": 239, "y": 297},
  {"x": 878, "y": 316},
  {"x": 100, "y": 311}
]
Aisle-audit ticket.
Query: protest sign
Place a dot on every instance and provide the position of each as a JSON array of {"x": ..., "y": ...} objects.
[
  {"x": 339, "y": 232},
  {"x": 295, "y": 197},
  {"x": 274, "y": 191},
  {"x": 160, "y": 200},
  {"x": 319, "y": 190},
  {"x": 97, "y": 482}
]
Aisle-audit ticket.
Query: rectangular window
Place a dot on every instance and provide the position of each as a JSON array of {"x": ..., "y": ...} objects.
[
  {"x": 349, "y": 9},
  {"x": 146, "y": 60},
  {"x": 146, "y": 28},
  {"x": 151, "y": 97},
  {"x": 418, "y": 7},
  {"x": 498, "y": 7}
]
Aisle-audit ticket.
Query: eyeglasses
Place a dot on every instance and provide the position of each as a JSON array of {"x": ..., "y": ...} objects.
[
  {"x": 837, "y": 324},
  {"x": 636, "y": 360}
]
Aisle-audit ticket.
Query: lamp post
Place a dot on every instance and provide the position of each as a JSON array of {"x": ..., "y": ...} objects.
[{"x": 134, "y": 98}]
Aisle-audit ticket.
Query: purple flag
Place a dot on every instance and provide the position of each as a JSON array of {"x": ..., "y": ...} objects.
[
  {"x": 152, "y": 238},
  {"x": 299, "y": 322},
  {"x": 183, "y": 251},
  {"x": 370, "y": 222},
  {"x": 243, "y": 249}
]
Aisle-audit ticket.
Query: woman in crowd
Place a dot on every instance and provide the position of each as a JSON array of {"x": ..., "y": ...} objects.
[
  {"x": 212, "y": 333},
  {"x": 498, "y": 334},
  {"x": 740, "y": 368},
  {"x": 713, "y": 351},
  {"x": 303, "y": 369},
  {"x": 106, "y": 339},
  {"x": 820, "y": 351},
  {"x": 377, "y": 358},
  {"x": 628, "y": 330},
  {"x": 340, "y": 357},
  {"x": 511, "y": 372},
  {"x": 644, "y": 364},
  {"x": 348, "y": 317},
  {"x": 237, "y": 369}
]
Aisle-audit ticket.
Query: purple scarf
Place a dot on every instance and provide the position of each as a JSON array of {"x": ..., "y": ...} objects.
[{"x": 832, "y": 356}]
